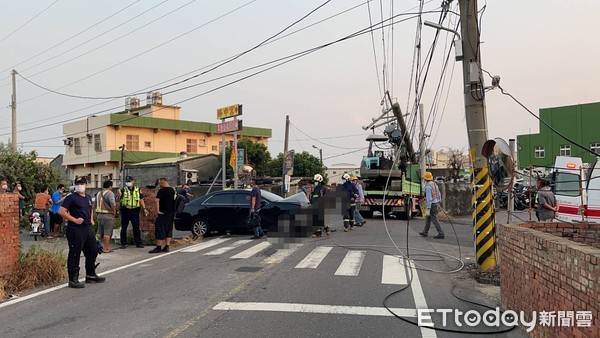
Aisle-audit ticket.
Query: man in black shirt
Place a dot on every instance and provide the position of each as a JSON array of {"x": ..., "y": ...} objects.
[
  {"x": 255, "y": 198},
  {"x": 77, "y": 210},
  {"x": 165, "y": 208}
]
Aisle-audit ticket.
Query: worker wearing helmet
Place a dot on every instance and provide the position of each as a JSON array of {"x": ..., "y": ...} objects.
[
  {"x": 318, "y": 191},
  {"x": 433, "y": 197},
  {"x": 348, "y": 203}
]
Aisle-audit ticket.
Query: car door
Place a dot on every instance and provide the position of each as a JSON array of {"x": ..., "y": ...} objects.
[
  {"x": 241, "y": 203},
  {"x": 217, "y": 211}
]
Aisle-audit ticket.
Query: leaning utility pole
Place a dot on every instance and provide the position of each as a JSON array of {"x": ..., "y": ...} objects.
[
  {"x": 483, "y": 209},
  {"x": 422, "y": 155},
  {"x": 13, "y": 106},
  {"x": 285, "y": 150}
]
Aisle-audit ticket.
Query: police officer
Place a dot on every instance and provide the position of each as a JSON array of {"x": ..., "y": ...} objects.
[
  {"x": 131, "y": 200},
  {"x": 348, "y": 203},
  {"x": 77, "y": 210},
  {"x": 318, "y": 191}
]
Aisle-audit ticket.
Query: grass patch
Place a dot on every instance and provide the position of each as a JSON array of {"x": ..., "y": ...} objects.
[{"x": 36, "y": 267}]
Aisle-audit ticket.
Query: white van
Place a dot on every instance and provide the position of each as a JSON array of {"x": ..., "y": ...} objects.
[
  {"x": 593, "y": 194},
  {"x": 569, "y": 179}
]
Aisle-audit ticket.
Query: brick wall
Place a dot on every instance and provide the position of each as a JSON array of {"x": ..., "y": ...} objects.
[
  {"x": 577, "y": 232},
  {"x": 543, "y": 272},
  {"x": 9, "y": 233},
  {"x": 147, "y": 223}
]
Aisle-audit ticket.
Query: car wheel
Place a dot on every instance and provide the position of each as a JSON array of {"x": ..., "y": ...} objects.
[{"x": 200, "y": 228}]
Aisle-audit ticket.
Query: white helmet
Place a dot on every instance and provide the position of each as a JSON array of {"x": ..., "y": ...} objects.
[
  {"x": 318, "y": 178},
  {"x": 346, "y": 176}
]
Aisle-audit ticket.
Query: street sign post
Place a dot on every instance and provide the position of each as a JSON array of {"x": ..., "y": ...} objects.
[{"x": 225, "y": 127}]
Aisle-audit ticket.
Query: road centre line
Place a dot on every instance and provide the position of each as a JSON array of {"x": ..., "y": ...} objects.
[
  {"x": 252, "y": 250},
  {"x": 420, "y": 302},
  {"x": 351, "y": 264},
  {"x": 315, "y": 308},
  {"x": 314, "y": 258}
]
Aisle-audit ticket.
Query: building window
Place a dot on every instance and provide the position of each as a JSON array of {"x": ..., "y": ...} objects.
[
  {"x": 214, "y": 148},
  {"x": 595, "y": 147},
  {"x": 539, "y": 152},
  {"x": 334, "y": 172},
  {"x": 77, "y": 146},
  {"x": 565, "y": 150},
  {"x": 192, "y": 146},
  {"x": 97, "y": 143},
  {"x": 147, "y": 144},
  {"x": 133, "y": 142},
  {"x": 202, "y": 142},
  {"x": 96, "y": 182}
]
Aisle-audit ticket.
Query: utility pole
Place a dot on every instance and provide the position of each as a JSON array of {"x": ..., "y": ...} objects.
[
  {"x": 422, "y": 146},
  {"x": 285, "y": 150},
  {"x": 483, "y": 210},
  {"x": 511, "y": 195},
  {"x": 13, "y": 106}
]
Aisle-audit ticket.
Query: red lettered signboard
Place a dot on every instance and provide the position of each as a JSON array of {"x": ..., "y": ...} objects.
[
  {"x": 230, "y": 111},
  {"x": 229, "y": 126}
]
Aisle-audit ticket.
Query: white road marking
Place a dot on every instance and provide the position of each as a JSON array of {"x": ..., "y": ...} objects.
[
  {"x": 314, "y": 258},
  {"x": 205, "y": 245},
  {"x": 252, "y": 251},
  {"x": 58, "y": 287},
  {"x": 224, "y": 249},
  {"x": 315, "y": 308},
  {"x": 351, "y": 264},
  {"x": 393, "y": 270},
  {"x": 281, "y": 254},
  {"x": 420, "y": 302}
]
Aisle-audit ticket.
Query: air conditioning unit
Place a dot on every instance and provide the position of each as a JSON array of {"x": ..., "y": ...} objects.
[
  {"x": 190, "y": 176},
  {"x": 68, "y": 141}
]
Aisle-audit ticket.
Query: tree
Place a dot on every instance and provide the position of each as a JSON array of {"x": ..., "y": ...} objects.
[
  {"x": 305, "y": 165},
  {"x": 16, "y": 166},
  {"x": 456, "y": 163},
  {"x": 257, "y": 155}
]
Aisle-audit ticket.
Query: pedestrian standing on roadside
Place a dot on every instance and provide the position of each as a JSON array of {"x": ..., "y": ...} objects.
[
  {"x": 4, "y": 187},
  {"x": 358, "y": 219},
  {"x": 77, "y": 210},
  {"x": 165, "y": 208},
  {"x": 106, "y": 208},
  {"x": 433, "y": 197},
  {"x": 57, "y": 199},
  {"x": 547, "y": 206},
  {"x": 18, "y": 190},
  {"x": 42, "y": 202},
  {"x": 255, "y": 200},
  {"x": 131, "y": 201}
]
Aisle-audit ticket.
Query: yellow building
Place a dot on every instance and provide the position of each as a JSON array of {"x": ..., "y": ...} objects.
[{"x": 93, "y": 147}]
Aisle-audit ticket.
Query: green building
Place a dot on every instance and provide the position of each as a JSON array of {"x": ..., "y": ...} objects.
[{"x": 580, "y": 123}]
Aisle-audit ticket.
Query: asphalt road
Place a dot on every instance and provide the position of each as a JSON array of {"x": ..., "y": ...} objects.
[{"x": 230, "y": 286}]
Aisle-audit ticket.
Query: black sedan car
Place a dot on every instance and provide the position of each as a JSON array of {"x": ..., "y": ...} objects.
[{"x": 228, "y": 210}]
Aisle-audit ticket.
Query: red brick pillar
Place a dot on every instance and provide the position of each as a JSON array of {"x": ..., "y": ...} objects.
[
  {"x": 147, "y": 223},
  {"x": 9, "y": 233}
]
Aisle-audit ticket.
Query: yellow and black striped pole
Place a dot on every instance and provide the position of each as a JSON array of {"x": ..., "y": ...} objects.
[
  {"x": 474, "y": 95},
  {"x": 483, "y": 219}
]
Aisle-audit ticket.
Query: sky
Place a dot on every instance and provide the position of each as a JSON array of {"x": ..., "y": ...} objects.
[{"x": 110, "y": 48}]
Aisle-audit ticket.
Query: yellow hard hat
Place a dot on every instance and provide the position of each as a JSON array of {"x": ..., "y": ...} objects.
[
  {"x": 353, "y": 178},
  {"x": 428, "y": 176}
]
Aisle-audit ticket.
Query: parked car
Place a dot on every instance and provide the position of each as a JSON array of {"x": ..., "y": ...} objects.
[{"x": 228, "y": 210}]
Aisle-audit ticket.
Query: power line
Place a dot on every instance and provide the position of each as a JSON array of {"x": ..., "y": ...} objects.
[
  {"x": 189, "y": 78},
  {"x": 152, "y": 87},
  {"x": 71, "y": 37},
  {"x": 374, "y": 52},
  {"x": 28, "y": 21},
  {"x": 316, "y": 140},
  {"x": 99, "y": 35},
  {"x": 295, "y": 56}
]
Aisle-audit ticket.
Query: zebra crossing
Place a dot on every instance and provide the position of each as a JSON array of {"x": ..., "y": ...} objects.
[{"x": 394, "y": 269}]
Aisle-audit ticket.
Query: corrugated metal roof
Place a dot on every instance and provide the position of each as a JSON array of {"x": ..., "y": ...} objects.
[{"x": 166, "y": 160}]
